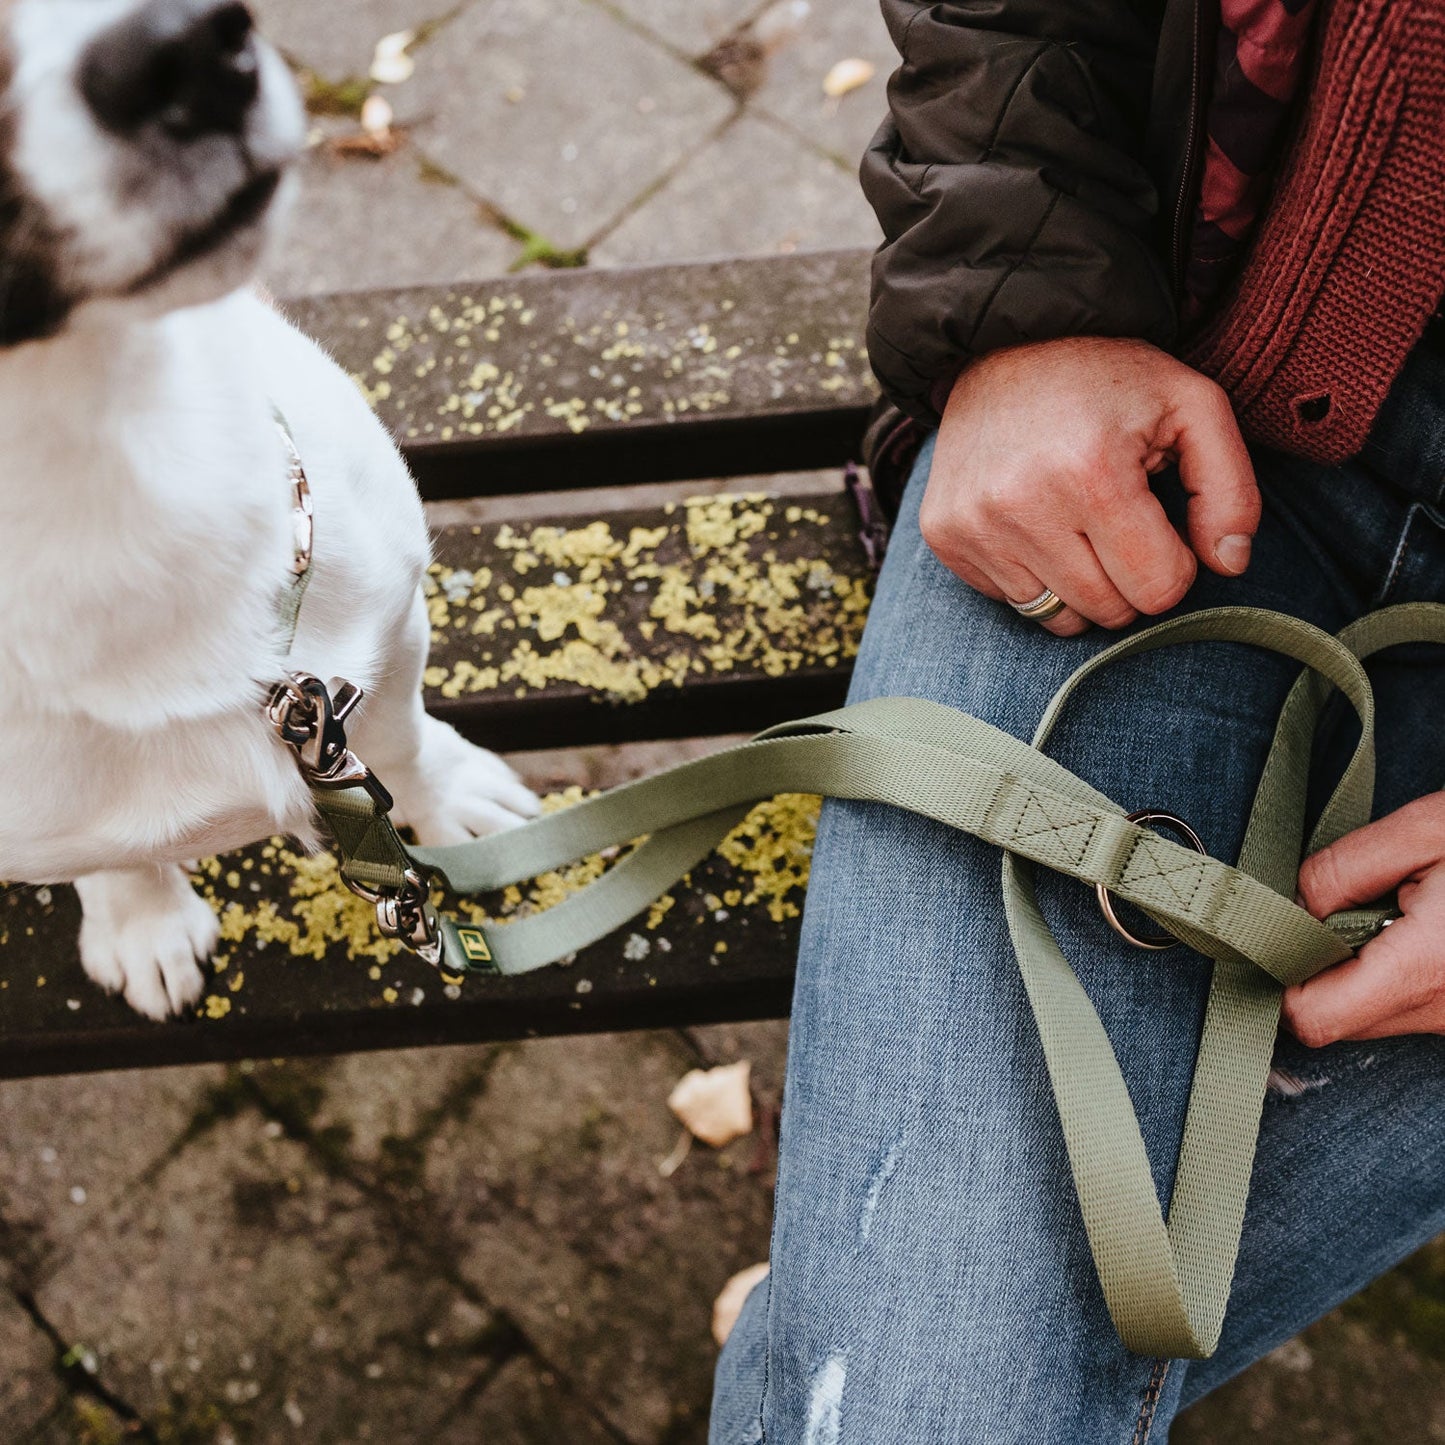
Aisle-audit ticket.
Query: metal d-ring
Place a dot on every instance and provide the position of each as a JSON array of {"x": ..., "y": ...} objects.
[{"x": 1154, "y": 942}]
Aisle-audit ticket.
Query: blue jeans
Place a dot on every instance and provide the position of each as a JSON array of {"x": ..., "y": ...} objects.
[{"x": 931, "y": 1281}]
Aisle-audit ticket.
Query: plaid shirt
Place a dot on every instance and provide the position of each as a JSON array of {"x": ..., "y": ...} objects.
[{"x": 1260, "y": 61}]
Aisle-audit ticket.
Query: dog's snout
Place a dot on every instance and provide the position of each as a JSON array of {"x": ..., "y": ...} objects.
[{"x": 188, "y": 66}]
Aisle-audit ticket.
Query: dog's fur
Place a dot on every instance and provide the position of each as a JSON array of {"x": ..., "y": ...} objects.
[{"x": 145, "y": 524}]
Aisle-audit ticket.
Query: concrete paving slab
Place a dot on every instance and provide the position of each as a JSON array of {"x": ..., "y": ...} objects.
[
  {"x": 526, "y": 1404},
  {"x": 692, "y": 26},
  {"x": 378, "y": 1108},
  {"x": 247, "y": 1289},
  {"x": 337, "y": 39},
  {"x": 72, "y": 1149},
  {"x": 1340, "y": 1383},
  {"x": 362, "y": 223},
  {"x": 793, "y": 85},
  {"x": 714, "y": 208},
  {"x": 556, "y": 112},
  {"x": 553, "y": 1183},
  {"x": 30, "y": 1390},
  {"x": 84, "y": 1420}
]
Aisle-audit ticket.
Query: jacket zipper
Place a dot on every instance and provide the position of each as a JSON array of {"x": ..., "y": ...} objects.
[{"x": 1182, "y": 209}]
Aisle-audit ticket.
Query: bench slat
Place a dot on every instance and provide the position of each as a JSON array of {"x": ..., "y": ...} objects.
[
  {"x": 678, "y": 618},
  {"x": 721, "y": 614},
  {"x": 711, "y": 955},
  {"x": 599, "y": 377}
]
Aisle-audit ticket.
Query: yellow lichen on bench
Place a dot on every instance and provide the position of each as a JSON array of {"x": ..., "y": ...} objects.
[
  {"x": 277, "y": 897},
  {"x": 730, "y": 583}
]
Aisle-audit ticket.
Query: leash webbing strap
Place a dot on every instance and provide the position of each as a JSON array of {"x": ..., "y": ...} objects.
[{"x": 1166, "y": 1283}]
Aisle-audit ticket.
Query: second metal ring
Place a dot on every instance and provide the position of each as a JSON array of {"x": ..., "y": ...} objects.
[{"x": 1154, "y": 942}]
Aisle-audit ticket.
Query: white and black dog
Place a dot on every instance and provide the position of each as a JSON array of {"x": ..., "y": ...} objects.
[{"x": 146, "y": 523}]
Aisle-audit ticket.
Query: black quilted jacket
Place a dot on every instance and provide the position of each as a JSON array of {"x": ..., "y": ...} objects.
[{"x": 1034, "y": 178}]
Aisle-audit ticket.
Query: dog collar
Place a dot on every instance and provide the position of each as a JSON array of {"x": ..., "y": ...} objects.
[{"x": 288, "y": 604}]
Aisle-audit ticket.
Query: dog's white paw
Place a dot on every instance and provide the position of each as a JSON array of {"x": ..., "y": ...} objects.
[
  {"x": 144, "y": 934},
  {"x": 457, "y": 791}
]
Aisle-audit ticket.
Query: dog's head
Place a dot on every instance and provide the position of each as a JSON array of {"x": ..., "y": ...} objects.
[{"x": 142, "y": 146}]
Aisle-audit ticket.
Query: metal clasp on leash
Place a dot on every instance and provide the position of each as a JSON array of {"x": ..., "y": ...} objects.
[
  {"x": 310, "y": 717},
  {"x": 1154, "y": 942},
  {"x": 406, "y": 914},
  {"x": 303, "y": 515}
]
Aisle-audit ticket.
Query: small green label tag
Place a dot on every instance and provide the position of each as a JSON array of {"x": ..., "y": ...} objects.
[{"x": 474, "y": 945}]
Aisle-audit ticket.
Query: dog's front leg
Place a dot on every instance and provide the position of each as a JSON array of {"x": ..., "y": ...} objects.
[
  {"x": 143, "y": 934},
  {"x": 446, "y": 789}
]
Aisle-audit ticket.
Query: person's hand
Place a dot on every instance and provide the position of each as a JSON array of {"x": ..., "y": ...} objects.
[
  {"x": 1396, "y": 983},
  {"x": 1041, "y": 479}
]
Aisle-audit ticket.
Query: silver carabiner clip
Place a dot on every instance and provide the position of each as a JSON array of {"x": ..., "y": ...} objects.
[
  {"x": 406, "y": 914},
  {"x": 310, "y": 717}
]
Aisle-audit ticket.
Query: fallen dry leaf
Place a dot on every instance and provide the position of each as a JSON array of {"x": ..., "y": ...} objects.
[
  {"x": 377, "y": 137},
  {"x": 740, "y": 60},
  {"x": 390, "y": 61},
  {"x": 847, "y": 75},
  {"x": 715, "y": 1105},
  {"x": 369, "y": 147},
  {"x": 377, "y": 115},
  {"x": 729, "y": 1303}
]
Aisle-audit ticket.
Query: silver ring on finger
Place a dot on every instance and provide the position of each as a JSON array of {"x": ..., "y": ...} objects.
[{"x": 1046, "y": 605}]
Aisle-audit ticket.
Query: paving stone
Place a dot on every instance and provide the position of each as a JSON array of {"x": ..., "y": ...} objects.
[
  {"x": 337, "y": 39},
  {"x": 596, "y": 113},
  {"x": 377, "y": 1108},
  {"x": 71, "y": 1149},
  {"x": 1340, "y": 1383},
  {"x": 807, "y": 203},
  {"x": 525, "y": 1404},
  {"x": 552, "y": 1183},
  {"x": 793, "y": 86},
  {"x": 248, "y": 1289},
  {"x": 85, "y": 1420},
  {"x": 693, "y": 26},
  {"x": 30, "y": 1391},
  {"x": 362, "y": 223}
]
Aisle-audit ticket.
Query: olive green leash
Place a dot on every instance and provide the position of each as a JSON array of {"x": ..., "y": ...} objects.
[{"x": 1166, "y": 1282}]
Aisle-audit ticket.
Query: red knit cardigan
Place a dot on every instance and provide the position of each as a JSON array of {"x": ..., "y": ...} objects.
[{"x": 1349, "y": 263}]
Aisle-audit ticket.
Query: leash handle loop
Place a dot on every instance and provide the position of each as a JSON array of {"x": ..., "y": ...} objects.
[{"x": 1166, "y": 1283}]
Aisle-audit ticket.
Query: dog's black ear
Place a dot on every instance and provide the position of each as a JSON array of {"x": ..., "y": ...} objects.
[{"x": 32, "y": 303}]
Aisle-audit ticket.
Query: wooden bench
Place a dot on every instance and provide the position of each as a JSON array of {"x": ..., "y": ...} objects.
[{"x": 707, "y": 617}]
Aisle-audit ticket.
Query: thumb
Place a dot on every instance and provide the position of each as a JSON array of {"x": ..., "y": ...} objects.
[{"x": 1215, "y": 469}]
